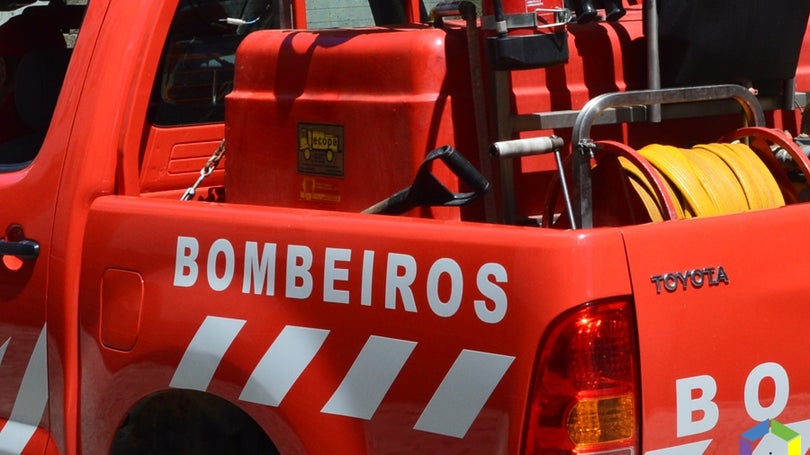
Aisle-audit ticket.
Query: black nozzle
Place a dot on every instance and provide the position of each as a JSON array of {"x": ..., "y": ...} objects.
[
  {"x": 613, "y": 10},
  {"x": 585, "y": 11}
]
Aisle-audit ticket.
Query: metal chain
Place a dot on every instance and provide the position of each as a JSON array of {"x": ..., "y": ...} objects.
[{"x": 206, "y": 170}]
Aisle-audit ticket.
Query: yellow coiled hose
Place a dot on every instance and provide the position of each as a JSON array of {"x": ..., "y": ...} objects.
[
  {"x": 709, "y": 179},
  {"x": 645, "y": 191}
]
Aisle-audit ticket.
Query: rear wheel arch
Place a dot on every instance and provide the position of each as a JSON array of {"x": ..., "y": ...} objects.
[{"x": 189, "y": 422}]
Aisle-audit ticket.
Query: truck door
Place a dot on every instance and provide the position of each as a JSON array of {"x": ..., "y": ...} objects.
[
  {"x": 170, "y": 129},
  {"x": 35, "y": 58},
  {"x": 723, "y": 344}
]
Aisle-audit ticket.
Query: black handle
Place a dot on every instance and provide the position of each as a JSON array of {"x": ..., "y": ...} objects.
[
  {"x": 23, "y": 249},
  {"x": 462, "y": 168},
  {"x": 427, "y": 190}
]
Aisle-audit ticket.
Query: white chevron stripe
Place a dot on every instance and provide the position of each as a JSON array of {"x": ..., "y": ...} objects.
[
  {"x": 463, "y": 393},
  {"x": 205, "y": 352},
  {"x": 371, "y": 375},
  {"x": 282, "y": 365},
  {"x": 451, "y": 411},
  {"x": 694, "y": 448},
  {"x": 29, "y": 406},
  {"x": 3, "y": 349},
  {"x": 15, "y": 436}
]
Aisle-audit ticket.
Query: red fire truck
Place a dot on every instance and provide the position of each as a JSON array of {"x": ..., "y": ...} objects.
[{"x": 288, "y": 227}]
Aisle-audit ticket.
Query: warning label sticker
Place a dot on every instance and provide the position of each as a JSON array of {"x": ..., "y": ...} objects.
[
  {"x": 319, "y": 190},
  {"x": 320, "y": 149}
]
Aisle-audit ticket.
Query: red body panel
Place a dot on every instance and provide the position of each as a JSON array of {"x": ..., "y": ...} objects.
[
  {"x": 339, "y": 332},
  {"x": 300, "y": 421},
  {"x": 738, "y": 334}
]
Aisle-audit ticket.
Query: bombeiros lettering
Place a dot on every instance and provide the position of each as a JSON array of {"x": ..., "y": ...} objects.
[
  {"x": 698, "y": 410},
  {"x": 441, "y": 291},
  {"x": 694, "y": 278}
]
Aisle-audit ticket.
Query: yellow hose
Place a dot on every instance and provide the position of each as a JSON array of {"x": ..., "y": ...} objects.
[
  {"x": 708, "y": 179},
  {"x": 644, "y": 188},
  {"x": 764, "y": 185},
  {"x": 647, "y": 199},
  {"x": 718, "y": 180},
  {"x": 674, "y": 183},
  {"x": 678, "y": 169}
]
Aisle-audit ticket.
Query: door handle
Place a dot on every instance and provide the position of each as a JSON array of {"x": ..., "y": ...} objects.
[
  {"x": 15, "y": 244},
  {"x": 22, "y": 249}
]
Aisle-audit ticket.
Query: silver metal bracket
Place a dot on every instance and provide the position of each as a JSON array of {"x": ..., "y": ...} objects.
[{"x": 562, "y": 16}]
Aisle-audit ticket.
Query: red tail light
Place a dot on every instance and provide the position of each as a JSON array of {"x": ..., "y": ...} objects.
[{"x": 585, "y": 397}]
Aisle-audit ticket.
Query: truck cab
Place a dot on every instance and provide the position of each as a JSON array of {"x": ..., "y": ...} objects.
[{"x": 277, "y": 226}]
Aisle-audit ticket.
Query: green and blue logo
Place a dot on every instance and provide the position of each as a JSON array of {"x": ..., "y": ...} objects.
[{"x": 781, "y": 440}]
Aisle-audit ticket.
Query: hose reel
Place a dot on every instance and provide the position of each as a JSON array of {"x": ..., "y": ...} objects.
[
  {"x": 584, "y": 148},
  {"x": 614, "y": 184},
  {"x": 660, "y": 182}
]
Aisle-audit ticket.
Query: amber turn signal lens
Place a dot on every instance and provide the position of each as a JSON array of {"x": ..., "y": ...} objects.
[{"x": 600, "y": 420}]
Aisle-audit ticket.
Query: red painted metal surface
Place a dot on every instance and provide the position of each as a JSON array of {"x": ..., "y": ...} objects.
[
  {"x": 125, "y": 284},
  {"x": 339, "y": 120},
  {"x": 440, "y": 331},
  {"x": 718, "y": 356},
  {"x": 325, "y": 78}
]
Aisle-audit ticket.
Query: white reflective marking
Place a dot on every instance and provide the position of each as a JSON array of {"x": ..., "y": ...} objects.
[
  {"x": 282, "y": 365},
  {"x": 463, "y": 393},
  {"x": 32, "y": 397},
  {"x": 694, "y": 448},
  {"x": 15, "y": 436},
  {"x": 205, "y": 352},
  {"x": 3, "y": 350},
  {"x": 370, "y": 377}
]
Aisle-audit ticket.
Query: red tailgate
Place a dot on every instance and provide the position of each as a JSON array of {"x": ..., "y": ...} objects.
[{"x": 721, "y": 308}]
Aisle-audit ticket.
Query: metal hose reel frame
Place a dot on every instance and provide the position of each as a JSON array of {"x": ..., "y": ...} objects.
[{"x": 583, "y": 145}]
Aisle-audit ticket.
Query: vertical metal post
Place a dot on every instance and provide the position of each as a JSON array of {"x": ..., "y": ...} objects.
[
  {"x": 653, "y": 56},
  {"x": 789, "y": 94},
  {"x": 564, "y": 185},
  {"x": 582, "y": 196},
  {"x": 503, "y": 118},
  {"x": 468, "y": 12},
  {"x": 299, "y": 10},
  {"x": 283, "y": 11}
]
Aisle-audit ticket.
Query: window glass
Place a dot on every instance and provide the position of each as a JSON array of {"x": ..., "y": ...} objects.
[
  {"x": 36, "y": 42},
  {"x": 196, "y": 70},
  {"x": 363, "y": 13},
  {"x": 339, "y": 13}
]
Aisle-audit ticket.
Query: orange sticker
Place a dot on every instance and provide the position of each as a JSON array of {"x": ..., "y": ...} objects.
[{"x": 319, "y": 190}]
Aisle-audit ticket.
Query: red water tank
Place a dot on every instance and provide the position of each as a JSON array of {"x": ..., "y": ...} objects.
[{"x": 341, "y": 119}]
